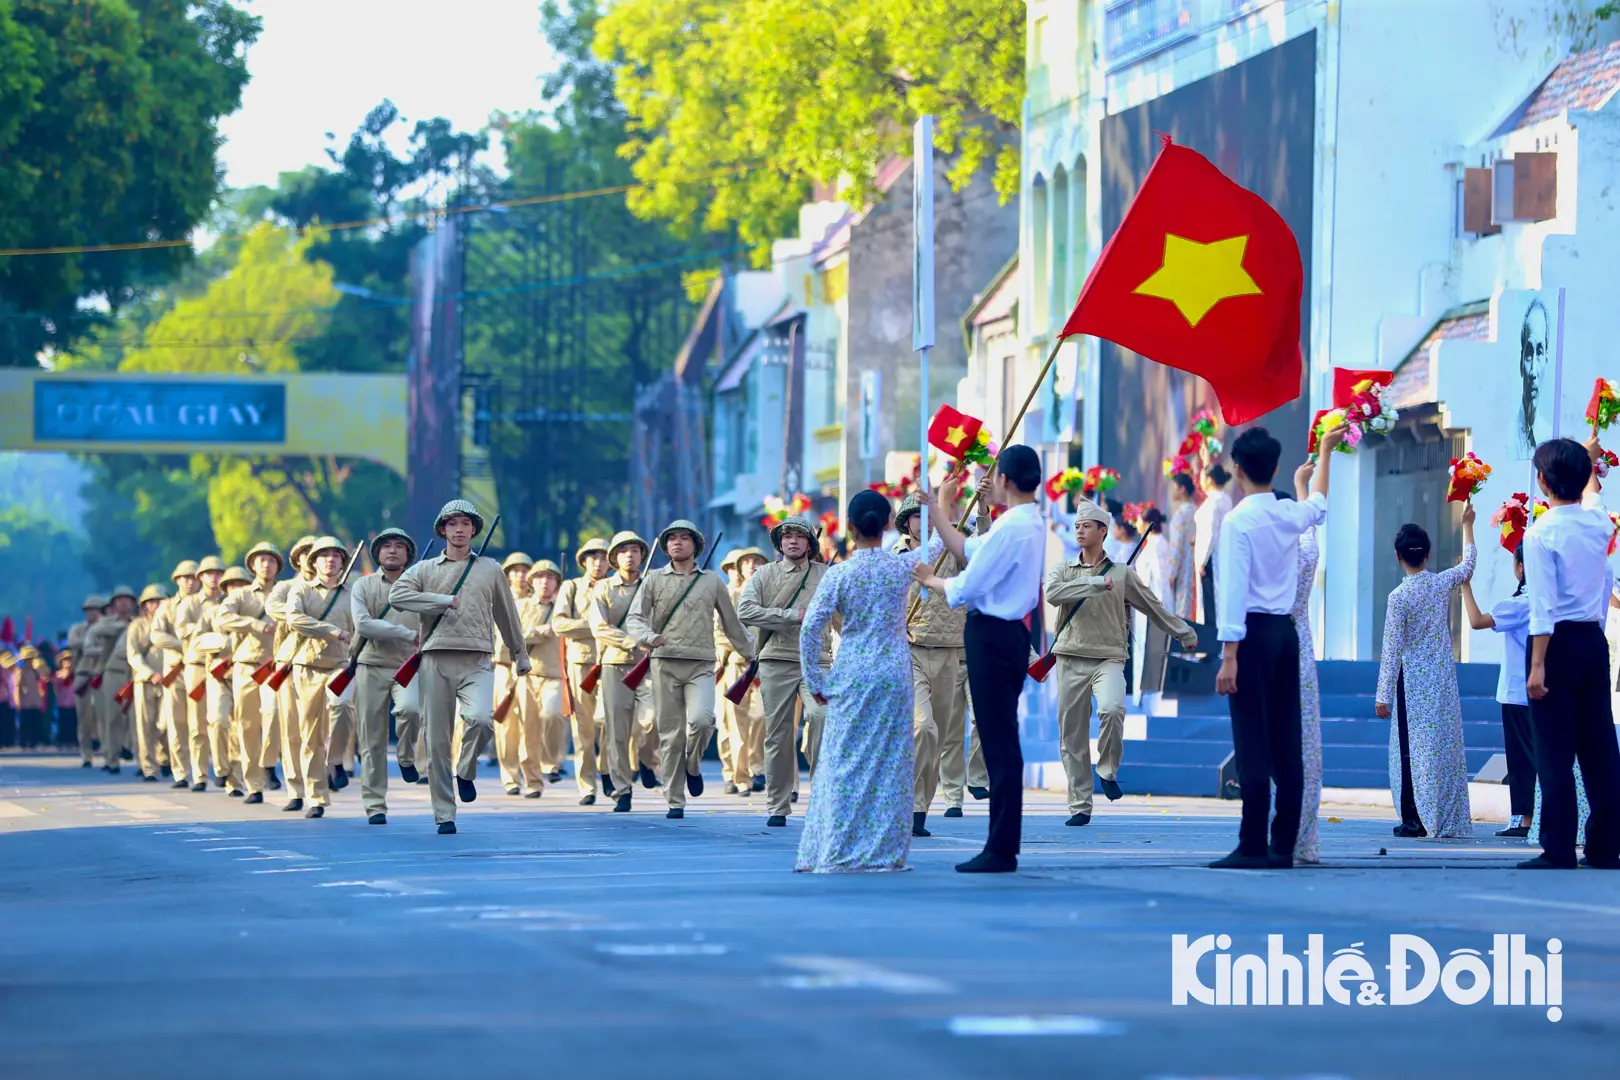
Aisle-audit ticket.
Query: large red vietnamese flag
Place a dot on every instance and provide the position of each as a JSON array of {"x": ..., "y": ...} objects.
[{"x": 1204, "y": 276}]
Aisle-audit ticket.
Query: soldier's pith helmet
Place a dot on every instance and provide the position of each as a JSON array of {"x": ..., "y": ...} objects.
[
  {"x": 186, "y": 568},
  {"x": 517, "y": 558},
  {"x": 394, "y": 534},
  {"x": 623, "y": 539},
  {"x": 299, "y": 551},
  {"x": 796, "y": 524},
  {"x": 729, "y": 559},
  {"x": 235, "y": 575},
  {"x": 120, "y": 590},
  {"x": 153, "y": 592},
  {"x": 265, "y": 548},
  {"x": 94, "y": 602},
  {"x": 682, "y": 525},
  {"x": 454, "y": 507},
  {"x": 210, "y": 562},
  {"x": 328, "y": 543},
  {"x": 594, "y": 544},
  {"x": 752, "y": 553},
  {"x": 545, "y": 566},
  {"x": 909, "y": 506}
]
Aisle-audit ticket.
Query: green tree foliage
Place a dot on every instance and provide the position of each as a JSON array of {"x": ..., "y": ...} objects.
[
  {"x": 737, "y": 106},
  {"x": 108, "y": 113},
  {"x": 44, "y": 573}
]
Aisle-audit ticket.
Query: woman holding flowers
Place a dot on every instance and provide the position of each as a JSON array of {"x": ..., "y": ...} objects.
[{"x": 1181, "y": 572}]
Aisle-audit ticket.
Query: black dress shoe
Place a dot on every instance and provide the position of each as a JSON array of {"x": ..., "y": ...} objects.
[
  {"x": 731, "y": 789},
  {"x": 514, "y": 791},
  {"x": 535, "y": 794},
  {"x": 1601, "y": 864},
  {"x": 446, "y": 828},
  {"x": 126, "y": 755},
  {"x": 1078, "y": 819},
  {"x": 1110, "y": 788},
  {"x": 694, "y": 784},
  {"x": 649, "y": 779},
  {"x": 165, "y": 770},
  {"x": 466, "y": 790},
  {"x": 588, "y": 800},
  {"x": 1280, "y": 861},
  {"x": 271, "y": 780},
  {"x": 254, "y": 799},
  {"x": 409, "y": 774},
  {"x": 918, "y": 823},
  {"x": 988, "y": 862},
  {"x": 293, "y": 804},
  {"x": 180, "y": 785},
  {"x": 236, "y": 793},
  {"x": 757, "y": 784},
  {"x": 953, "y": 811},
  {"x": 377, "y": 819},
  {"x": 980, "y": 793},
  {"x": 1517, "y": 831},
  {"x": 340, "y": 778},
  {"x": 776, "y": 821},
  {"x": 675, "y": 813},
  {"x": 1407, "y": 830},
  {"x": 315, "y": 812},
  {"x": 1541, "y": 862},
  {"x": 606, "y": 781},
  {"x": 114, "y": 770},
  {"x": 554, "y": 775},
  {"x": 621, "y": 805},
  {"x": 1239, "y": 861},
  {"x": 219, "y": 781},
  {"x": 794, "y": 797},
  {"x": 86, "y": 765},
  {"x": 149, "y": 779},
  {"x": 198, "y": 786}
]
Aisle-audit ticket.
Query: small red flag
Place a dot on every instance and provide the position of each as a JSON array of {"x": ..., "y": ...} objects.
[
  {"x": 953, "y": 432},
  {"x": 1204, "y": 276},
  {"x": 1345, "y": 380},
  {"x": 1316, "y": 420}
]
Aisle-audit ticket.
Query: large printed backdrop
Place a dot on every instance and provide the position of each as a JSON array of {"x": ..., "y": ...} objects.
[{"x": 1257, "y": 122}]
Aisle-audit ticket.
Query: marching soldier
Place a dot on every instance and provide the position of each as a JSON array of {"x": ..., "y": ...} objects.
[
  {"x": 146, "y": 669},
  {"x": 84, "y": 665},
  {"x": 284, "y": 738},
  {"x": 728, "y": 742},
  {"x": 774, "y": 602},
  {"x": 751, "y": 712},
  {"x": 319, "y": 614},
  {"x": 221, "y": 694},
  {"x": 169, "y": 631},
  {"x": 518, "y": 758},
  {"x": 243, "y": 614},
  {"x": 673, "y": 615},
  {"x": 610, "y": 608},
  {"x": 191, "y": 620},
  {"x": 546, "y": 650},
  {"x": 385, "y": 637},
  {"x": 464, "y": 601},
  {"x": 571, "y": 620},
  {"x": 106, "y": 641}
]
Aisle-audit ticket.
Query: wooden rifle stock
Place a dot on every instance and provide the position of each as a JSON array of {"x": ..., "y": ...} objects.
[
  {"x": 739, "y": 689},
  {"x": 505, "y": 706},
  {"x": 567, "y": 691},
  {"x": 222, "y": 669},
  {"x": 593, "y": 675},
  {"x": 126, "y": 693},
  {"x": 198, "y": 692},
  {"x": 1041, "y": 668},
  {"x": 634, "y": 677},
  {"x": 413, "y": 663},
  {"x": 95, "y": 682},
  {"x": 279, "y": 676},
  {"x": 262, "y": 672},
  {"x": 173, "y": 673}
]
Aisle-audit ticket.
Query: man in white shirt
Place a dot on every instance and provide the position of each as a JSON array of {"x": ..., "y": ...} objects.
[
  {"x": 1568, "y": 581},
  {"x": 1000, "y": 584},
  {"x": 1211, "y": 513},
  {"x": 1256, "y": 577}
]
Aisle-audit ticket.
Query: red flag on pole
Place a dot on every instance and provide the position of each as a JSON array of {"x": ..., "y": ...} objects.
[
  {"x": 1202, "y": 275},
  {"x": 1345, "y": 380},
  {"x": 953, "y": 431}
]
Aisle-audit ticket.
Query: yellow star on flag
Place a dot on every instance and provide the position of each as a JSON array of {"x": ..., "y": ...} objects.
[
  {"x": 1195, "y": 277},
  {"x": 956, "y": 435}
]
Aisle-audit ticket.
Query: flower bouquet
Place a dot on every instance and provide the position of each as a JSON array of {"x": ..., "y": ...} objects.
[
  {"x": 1604, "y": 405},
  {"x": 829, "y": 523},
  {"x": 778, "y": 511},
  {"x": 1204, "y": 425},
  {"x": 1513, "y": 517},
  {"x": 1099, "y": 481},
  {"x": 1068, "y": 482},
  {"x": 1366, "y": 413},
  {"x": 1134, "y": 511},
  {"x": 1468, "y": 476}
]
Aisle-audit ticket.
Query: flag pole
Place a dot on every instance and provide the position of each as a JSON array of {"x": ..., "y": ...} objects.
[
  {"x": 922, "y": 298},
  {"x": 1006, "y": 440}
]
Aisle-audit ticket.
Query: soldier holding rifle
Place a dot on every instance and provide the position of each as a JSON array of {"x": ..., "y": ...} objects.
[
  {"x": 319, "y": 615},
  {"x": 385, "y": 637},
  {"x": 243, "y": 613},
  {"x": 610, "y": 607}
]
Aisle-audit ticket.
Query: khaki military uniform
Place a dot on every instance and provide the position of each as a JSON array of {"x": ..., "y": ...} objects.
[
  {"x": 83, "y": 668},
  {"x": 243, "y": 614},
  {"x": 146, "y": 669},
  {"x": 318, "y": 615},
  {"x": 214, "y": 643},
  {"x": 172, "y": 705},
  {"x": 456, "y": 673},
  {"x": 774, "y": 600},
  {"x": 543, "y": 741},
  {"x": 385, "y": 637},
  {"x": 187, "y": 620},
  {"x": 683, "y": 667},
  {"x": 629, "y": 728},
  {"x": 939, "y": 691},
  {"x": 1091, "y": 654},
  {"x": 106, "y": 641},
  {"x": 519, "y": 763},
  {"x": 741, "y": 740},
  {"x": 571, "y": 621},
  {"x": 283, "y": 738}
]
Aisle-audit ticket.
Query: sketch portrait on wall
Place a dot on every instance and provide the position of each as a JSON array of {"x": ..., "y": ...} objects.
[{"x": 1533, "y": 424}]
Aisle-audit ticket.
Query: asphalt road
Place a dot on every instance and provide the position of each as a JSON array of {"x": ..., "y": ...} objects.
[{"x": 151, "y": 933}]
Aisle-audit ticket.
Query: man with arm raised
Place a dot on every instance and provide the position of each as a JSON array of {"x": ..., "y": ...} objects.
[{"x": 385, "y": 637}]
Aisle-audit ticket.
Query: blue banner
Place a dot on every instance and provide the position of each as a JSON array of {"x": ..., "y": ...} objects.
[{"x": 123, "y": 411}]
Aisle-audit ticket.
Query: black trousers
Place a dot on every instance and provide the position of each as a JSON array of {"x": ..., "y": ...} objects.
[
  {"x": 1206, "y": 582},
  {"x": 1575, "y": 722},
  {"x": 8, "y": 725},
  {"x": 67, "y": 726},
  {"x": 1521, "y": 761},
  {"x": 997, "y": 664},
  {"x": 1265, "y": 733},
  {"x": 1409, "y": 810}
]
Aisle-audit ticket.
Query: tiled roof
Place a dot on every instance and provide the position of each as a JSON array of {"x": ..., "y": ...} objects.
[
  {"x": 1412, "y": 384},
  {"x": 1000, "y": 299},
  {"x": 1584, "y": 81}
]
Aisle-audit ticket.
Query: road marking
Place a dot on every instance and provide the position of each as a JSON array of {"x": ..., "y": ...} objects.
[
  {"x": 289, "y": 870},
  {"x": 210, "y": 839},
  {"x": 11, "y": 809},
  {"x": 139, "y": 802},
  {"x": 974, "y": 1026},
  {"x": 244, "y": 847},
  {"x": 385, "y": 887},
  {"x": 837, "y": 973},
  {"x": 1562, "y": 905},
  {"x": 671, "y": 949}
]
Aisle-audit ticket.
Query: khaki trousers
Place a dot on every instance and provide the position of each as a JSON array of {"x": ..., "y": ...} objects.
[
  {"x": 292, "y": 737},
  {"x": 247, "y": 727},
  {"x": 1080, "y": 680},
  {"x": 456, "y": 688},
  {"x": 683, "y": 703},
  {"x": 587, "y": 728},
  {"x": 343, "y": 744},
  {"x": 112, "y": 718},
  {"x": 147, "y": 711},
  {"x": 177, "y": 725},
  {"x": 624, "y": 728},
  {"x": 784, "y": 694},
  {"x": 222, "y": 741},
  {"x": 954, "y": 736},
  {"x": 543, "y": 715},
  {"x": 518, "y": 743},
  {"x": 374, "y": 690},
  {"x": 89, "y": 734},
  {"x": 316, "y": 710},
  {"x": 938, "y": 710},
  {"x": 270, "y": 749},
  {"x": 748, "y": 720},
  {"x": 196, "y": 722}
]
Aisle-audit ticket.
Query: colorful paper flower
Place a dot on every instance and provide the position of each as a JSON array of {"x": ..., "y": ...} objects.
[
  {"x": 829, "y": 523},
  {"x": 1513, "y": 517},
  {"x": 1604, "y": 405},
  {"x": 1099, "y": 480},
  {"x": 1206, "y": 423},
  {"x": 778, "y": 511},
  {"x": 1134, "y": 511},
  {"x": 1066, "y": 481},
  {"x": 1468, "y": 476}
]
